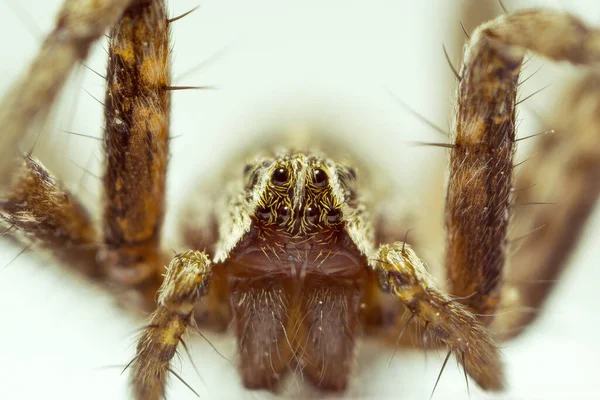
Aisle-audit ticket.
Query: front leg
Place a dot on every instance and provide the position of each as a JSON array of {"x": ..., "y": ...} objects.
[
  {"x": 137, "y": 109},
  {"x": 27, "y": 105},
  {"x": 186, "y": 281},
  {"x": 478, "y": 205},
  {"x": 404, "y": 275}
]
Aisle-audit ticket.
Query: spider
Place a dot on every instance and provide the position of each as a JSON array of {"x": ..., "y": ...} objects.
[{"x": 269, "y": 217}]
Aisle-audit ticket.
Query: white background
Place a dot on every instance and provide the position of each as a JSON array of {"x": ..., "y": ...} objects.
[{"x": 62, "y": 338}]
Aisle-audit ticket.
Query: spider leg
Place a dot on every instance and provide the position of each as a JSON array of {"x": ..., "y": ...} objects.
[
  {"x": 381, "y": 312},
  {"x": 186, "y": 281},
  {"x": 136, "y": 142},
  {"x": 137, "y": 110},
  {"x": 32, "y": 200},
  {"x": 404, "y": 275},
  {"x": 79, "y": 24},
  {"x": 564, "y": 170},
  {"x": 481, "y": 163},
  {"x": 37, "y": 205}
]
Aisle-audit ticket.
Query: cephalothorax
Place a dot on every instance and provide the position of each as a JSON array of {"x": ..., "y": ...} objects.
[
  {"x": 295, "y": 249},
  {"x": 297, "y": 202},
  {"x": 289, "y": 248}
]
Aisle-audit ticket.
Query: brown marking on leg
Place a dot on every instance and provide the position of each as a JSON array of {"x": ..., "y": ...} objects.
[
  {"x": 261, "y": 322},
  {"x": 186, "y": 281},
  {"x": 404, "y": 275},
  {"x": 477, "y": 202},
  {"x": 326, "y": 332},
  {"x": 564, "y": 170},
  {"x": 478, "y": 199},
  {"x": 38, "y": 206},
  {"x": 29, "y": 101},
  {"x": 136, "y": 143},
  {"x": 381, "y": 311}
]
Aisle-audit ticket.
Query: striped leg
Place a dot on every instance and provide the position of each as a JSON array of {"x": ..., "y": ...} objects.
[
  {"x": 32, "y": 200},
  {"x": 404, "y": 275},
  {"x": 481, "y": 166},
  {"x": 136, "y": 142},
  {"x": 28, "y": 103},
  {"x": 185, "y": 283},
  {"x": 38, "y": 208},
  {"x": 564, "y": 170}
]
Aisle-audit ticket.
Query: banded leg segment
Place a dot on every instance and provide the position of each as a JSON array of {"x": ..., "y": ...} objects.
[
  {"x": 481, "y": 164},
  {"x": 185, "y": 283},
  {"x": 403, "y": 274},
  {"x": 38, "y": 206},
  {"x": 79, "y": 25},
  {"x": 136, "y": 142},
  {"x": 564, "y": 170}
]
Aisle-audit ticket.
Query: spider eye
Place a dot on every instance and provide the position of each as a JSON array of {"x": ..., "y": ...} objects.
[
  {"x": 311, "y": 214},
  {"x": 263, "y": 213},
  {"x": 283, "y": 214},
  {"x": 333, "y": 215},
  {"x": 320, "y": 177},
  {"x": 280, "y": 176}
]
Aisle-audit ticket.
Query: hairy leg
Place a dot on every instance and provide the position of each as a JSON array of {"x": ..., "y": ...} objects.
[
  {"x": 137, "y": 109},
  {"x": 38, "y": 208},
  {"x": 422, "y": 227},
  {"x": 564, "y": 170},
  {"x": 186, "y": 281},
  {"x": 136, "y": 142},
  {"x": 33, "y": 201},
  {"x": 481, "y": 163},
  {"x": 404, "y": 275},
  {"x": 80, "y": 24},
  {"x": 380, "y": 311}
]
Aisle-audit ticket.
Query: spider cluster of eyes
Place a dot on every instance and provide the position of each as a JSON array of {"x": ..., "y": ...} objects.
[{"x": 281, "y": 180}]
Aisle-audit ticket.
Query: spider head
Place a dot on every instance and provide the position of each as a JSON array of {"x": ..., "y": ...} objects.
[{"x": 299, "y": 195}]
